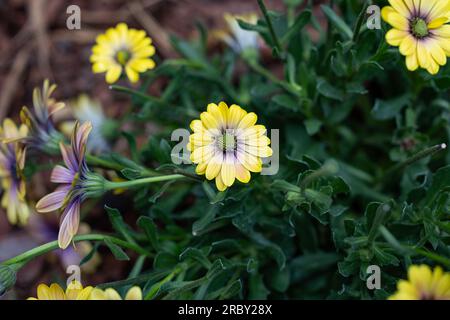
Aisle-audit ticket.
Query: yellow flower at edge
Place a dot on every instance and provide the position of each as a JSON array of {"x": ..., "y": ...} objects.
[
  {"x": 421, "y": 32},
  {"x": 135, "y": 293},
  {"x": 12, "y": 162},
  {"x": 227, "y": 144},
  {"x": 74, "y": 291},
  {"x": 122, "y": 49},
  {"x": 423, "y": 284}
]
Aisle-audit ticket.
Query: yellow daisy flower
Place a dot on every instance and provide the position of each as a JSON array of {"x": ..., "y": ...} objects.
[
  {"x": 12, "y": 162},
  {"x": 122, "y": 48},
  {"x": 423, "y": 284},
  {"x": 135, "y": 293},
  {"x": 74, "y": 291},
  {"x": 227, "y": 144},
  {"x": 421, "y": 32}
]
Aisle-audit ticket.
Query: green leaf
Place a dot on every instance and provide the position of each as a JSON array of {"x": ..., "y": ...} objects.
[
  {"x": 90, "y": 255},
  {"x": 205, "y": 220},
  {"x": 279, "y": 280},
  {"x": 164, "y": 260},
  {"x": 131, "y": 174},
  {"x": 117, "y": 251},
  {"x": 216, "y": 268},
  {"x": 252, "y": 27},
  {"x": 388, "y": 109},
  {"x": 150, "y": 230},
  {"x": 257, "y": 289},
  {"x": 196, "y": 255},
  {"x": 286, "y": 101},
  {"x": 232, "y": 290},
  {"x": 300, "y": 21},
  {"x": 440, "y": 182},
  {"x": 118, "y": 224},
  {"x": 312, "y": 126},
  {"x": 329, "y": 91},
  {"x": 338, "y": 22}
]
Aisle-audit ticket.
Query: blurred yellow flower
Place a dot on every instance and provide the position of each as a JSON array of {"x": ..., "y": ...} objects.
[
  {"x": 12, "y": 162},
  {"x": 135, "y": 293},
  {"x": 423, "y": 284},
  {"x": 120, "y": 49},
  {"x": 421, "y": 32},
  {"x": 74, "y": 291},
  {"x": 227, "y": 144}
]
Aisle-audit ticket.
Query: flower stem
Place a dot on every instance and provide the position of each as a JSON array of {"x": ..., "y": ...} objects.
[
  {"x": 50, "y": 246},
  {"x": 275, "y": 39},
  {"x": 359, "y": 22},
  {"x": 97, "y": 161},
  {"x": 142, "y": 95},
  {"x": 111, "y": 185},
  {"x": 418, "y": 156}
]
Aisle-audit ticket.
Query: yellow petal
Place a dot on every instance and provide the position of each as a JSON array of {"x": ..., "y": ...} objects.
[
  {"x": 112, "y": 294},
  {"x": 113, "y": 73},
  {"x": 131, "y": 74},
  {"x": 135, "y": 293},
  {"x": 394, "y": 18},
  {"x": 248, "y": 121},
  {"x": 219, "y": 183},
  {"x": 214, "y": 166},
  {"x": 235, "y": 115},
  {"x": 436, "y": 23},
  {"x": 394, "y": 37},
  {"x": 408, "y": 45},
  {"x": 412, "y": 63},
  {"x": 209, "y": 121},
  {"x": 242, "y": 174},
  {"x": 400, "y": 7},
  {"x": 228, "y": 172}
]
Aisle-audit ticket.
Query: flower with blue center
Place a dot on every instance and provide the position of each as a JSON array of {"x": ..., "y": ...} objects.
[
  {"x": 77, "y": 184},
  {"x": 42, "y": 134}
]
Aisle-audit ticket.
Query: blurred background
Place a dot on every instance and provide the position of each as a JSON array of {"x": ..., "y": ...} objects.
[{"x": 36, "y": 44}]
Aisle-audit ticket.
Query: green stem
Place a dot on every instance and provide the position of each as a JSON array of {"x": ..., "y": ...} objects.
[
  {"x": 382, "y": 210},
  {"x": 123, "y": 89},
  {"x": 97, "y": 161},
  {"x": 50, "y": 246},
  {"x": 271, "y": 77},
  {"x": 359, "y": 22},
  {"x": 418, "y": 156},
  {"x": 409, "y": 250},
  {"x": 432, "y": 256},
  {"x": 275, "y": 39},
  {"x": 111, "y": 185}
]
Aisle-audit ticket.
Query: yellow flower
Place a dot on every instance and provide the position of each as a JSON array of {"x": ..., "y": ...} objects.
[
  {"x": 135, "y": 293},
  {"x": 227, "y": 144},
  {"x": 421, "y": 32},
  {"x": 74, "y": 291},
  {"x": 12, "y": 162},
  {"x": 121, "y": 48},
  {"x": 423, "y": 284}
]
